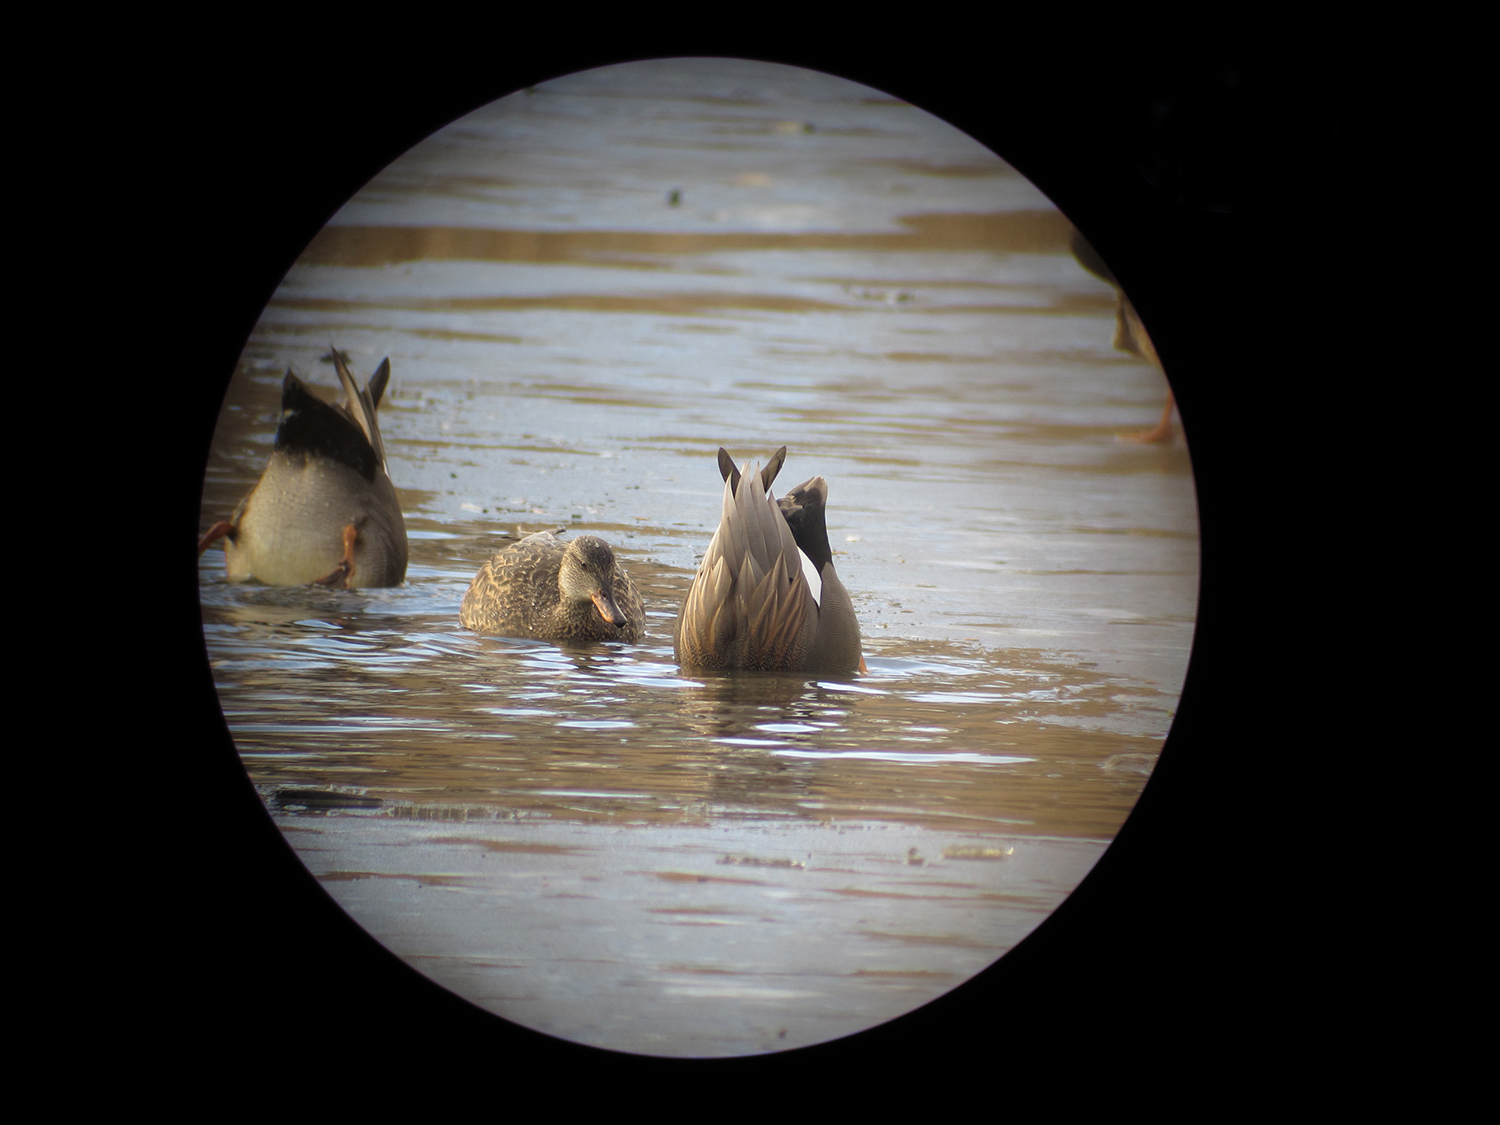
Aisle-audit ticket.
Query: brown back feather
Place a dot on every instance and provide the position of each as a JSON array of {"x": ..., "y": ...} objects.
[{"x": 749, "y": 605}]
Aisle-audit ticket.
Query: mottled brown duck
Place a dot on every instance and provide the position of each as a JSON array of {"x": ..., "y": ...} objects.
[
  {"x": 766, "y": 596},
  {"x": 542, "y": 588},
  {"x": 325, "y": 510},
  {"x": 1130, "y": 335}
]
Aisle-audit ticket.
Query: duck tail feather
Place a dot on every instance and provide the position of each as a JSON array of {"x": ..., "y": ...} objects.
[
  {"x": 706, "y": 628},
  {"x": 718, "y": 584},
  {"x": 361, "y": 408},
  {"x": 773, "y": 466},
  {"x": 734, "y": 539},
  {"x": 761, "y": 517},
  {"x": 750, "y": 604},
  {"x": 378, "y": 381},
  {"x": 352, "y": 397},
  {"x": 727, "y": 470},
  {"x": 731, "y": 474},
  {"x": 756, "y": 591},
  {"x": 721, "y": 636}
]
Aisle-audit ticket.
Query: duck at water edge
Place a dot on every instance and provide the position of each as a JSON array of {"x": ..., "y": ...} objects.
[{"x": 325, "y": 510}]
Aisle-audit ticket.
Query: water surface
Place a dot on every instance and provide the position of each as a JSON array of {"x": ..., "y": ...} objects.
[{"x": 584, "y": 291}]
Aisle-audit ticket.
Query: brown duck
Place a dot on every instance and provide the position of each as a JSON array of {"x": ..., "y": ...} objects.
[
  {"x": 544, "y": 589},
  {"x": 766, "y": 595},
  {"x": 1130, "y": 335},
  {"x": 325, "y": 510}
]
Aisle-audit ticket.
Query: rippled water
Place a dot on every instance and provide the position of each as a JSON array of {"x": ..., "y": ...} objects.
[{"x": 584, "y": 291}]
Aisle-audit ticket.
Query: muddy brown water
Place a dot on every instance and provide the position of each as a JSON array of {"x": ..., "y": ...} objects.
[{"x": 584, "y": 291}]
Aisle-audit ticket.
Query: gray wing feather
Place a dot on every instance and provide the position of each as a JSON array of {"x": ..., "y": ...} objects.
[
  {"x": 749, "y": 605},
  {"x": 378, "y": 381},
  {"x": 362, "y": 404}
]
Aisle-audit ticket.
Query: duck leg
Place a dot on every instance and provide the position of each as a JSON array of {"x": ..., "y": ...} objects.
[
  {"x": 344, "y": 572},
  {"x": 1160, "y": 434},
  {"x": 214, "y": 534}
]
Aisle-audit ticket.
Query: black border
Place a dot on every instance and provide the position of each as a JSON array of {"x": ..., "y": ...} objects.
[{"x": 1188, "y": 940}]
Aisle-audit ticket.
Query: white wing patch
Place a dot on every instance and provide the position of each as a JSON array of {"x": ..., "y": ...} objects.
[{"x": 814, "y": 580}]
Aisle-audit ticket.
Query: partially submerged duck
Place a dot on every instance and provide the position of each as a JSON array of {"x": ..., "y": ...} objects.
[
  {"x": 325, "y": 510},
  {"x": 766, "y": 596},
  {"x": 1130, "y": 335},
  {"x": 551, "y": 591}
]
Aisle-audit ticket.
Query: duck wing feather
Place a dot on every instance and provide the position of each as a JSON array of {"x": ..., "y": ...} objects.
[
  {"x": 750, "y": 605},
  {"x": 362, "y": 403},
  {"x": 767, "y": 475},
  {"x": 311, "y": 427}
]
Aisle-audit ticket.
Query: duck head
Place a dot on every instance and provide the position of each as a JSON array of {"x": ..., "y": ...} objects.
[{"x": 587, "y": 574}]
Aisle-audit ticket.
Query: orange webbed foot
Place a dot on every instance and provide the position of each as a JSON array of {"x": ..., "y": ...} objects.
[
  {"x": 344, "y": 572},
  {"x": 213, "y": 535},
  {"x": 1160, "y": 434}
]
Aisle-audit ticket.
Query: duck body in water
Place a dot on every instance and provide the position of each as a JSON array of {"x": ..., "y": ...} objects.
[
  {"x": 325, "y": 510},
  {"x": 1130, "y": 336},
  {"x": 550, "y": 591},
  {"x": 766, "y": 596}
]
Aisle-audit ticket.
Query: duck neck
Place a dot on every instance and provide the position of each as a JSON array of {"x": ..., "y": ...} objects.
[{"x": 815, "y": 545}]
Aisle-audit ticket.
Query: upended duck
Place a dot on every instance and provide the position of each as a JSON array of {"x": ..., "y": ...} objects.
[
  {"x": 1130, "y": 335},
  {"x": 551, "y": 591},
  {"x": 325, "y": 510},
  {"x": 766, "y": 596}
]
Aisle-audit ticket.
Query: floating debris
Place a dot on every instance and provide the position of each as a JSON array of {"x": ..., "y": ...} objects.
[
  {"x": 756, "y": 861},
  {"x": 970, "y": 851},
  {"x": 322, "y": 800}
]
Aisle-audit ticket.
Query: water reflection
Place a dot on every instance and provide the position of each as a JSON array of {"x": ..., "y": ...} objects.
[{"x": 409, "y": 708}]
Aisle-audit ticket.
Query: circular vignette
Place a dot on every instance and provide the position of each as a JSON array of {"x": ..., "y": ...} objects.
[{"x": 1071, "y": 932}]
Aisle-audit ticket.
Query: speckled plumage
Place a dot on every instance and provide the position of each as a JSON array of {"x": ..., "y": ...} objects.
[
  {"x": 527, "y": 591},
  {"x": 766, "y": 596}
]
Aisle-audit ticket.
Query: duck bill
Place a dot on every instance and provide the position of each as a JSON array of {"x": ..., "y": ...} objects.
[{"x": 607, "y": 609}]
